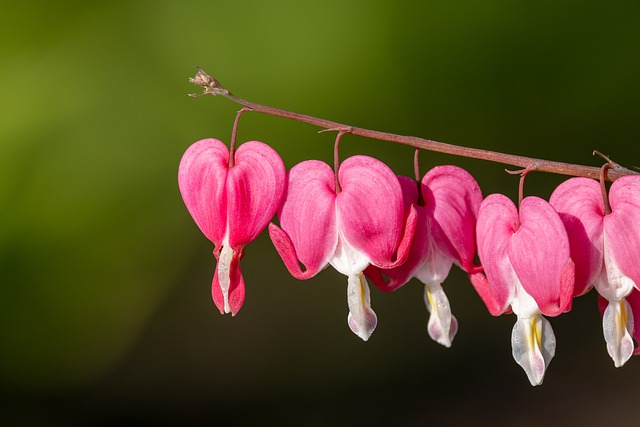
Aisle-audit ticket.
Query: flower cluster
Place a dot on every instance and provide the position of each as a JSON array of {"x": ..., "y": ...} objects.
[{"x": 372, "y": 225}]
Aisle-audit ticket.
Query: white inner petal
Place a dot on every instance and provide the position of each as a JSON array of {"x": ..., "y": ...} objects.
[
  {"x": 224, "y": 264},
  {"x": 346, "y": 259},
  {"x": 362, "y": 319},
  {"x": 436, "y": 268},
  {"x": 533, "y": 345},
  {"x": 523, "y": 304},
  {"x": 611, "y": 283},
  {"x": 442, "y": 326},
  {"x": 617, "y": 324}
]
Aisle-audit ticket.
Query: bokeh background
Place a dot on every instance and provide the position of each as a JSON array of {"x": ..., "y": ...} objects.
[{"x": 105, "y": 309}]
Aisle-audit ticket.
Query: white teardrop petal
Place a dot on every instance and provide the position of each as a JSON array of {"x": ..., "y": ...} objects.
[
  {"x": 617, "y": 325},
  {"x": 533, "y": 346},
  {"x": 442, "y": 326},
  {"x": 362, "y": 319},
  {"x": 224, "y": 265}
]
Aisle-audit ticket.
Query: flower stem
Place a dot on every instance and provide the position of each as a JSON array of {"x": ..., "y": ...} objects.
[
  {"x": 523, "y": 175},
  {"x": 213, "y": 87},
  {"x": 603, "y": 188},
  {"x": 416, "y": 171},
  {"x": 234, "y": 133},
  {"x": 416, "y": 164},
  {"x": 336, "y": 159}
]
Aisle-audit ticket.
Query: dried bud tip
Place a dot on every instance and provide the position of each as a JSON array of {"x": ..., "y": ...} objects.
[{"x": 210, "y": 85}]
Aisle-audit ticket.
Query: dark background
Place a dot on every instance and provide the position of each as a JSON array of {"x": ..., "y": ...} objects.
[{"x": 105, "y": 308}]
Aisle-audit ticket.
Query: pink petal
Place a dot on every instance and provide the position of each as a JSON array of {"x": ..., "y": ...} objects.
[
  {"x": 406, "y": 238},
  {"x": 622, "y": 226},
  {"x": 255, "y": 187},
  {"x": 419, "y": 250},
  {"x": 308, "y": 219},
  {"x": 452, "y": 197},
  {"x": 485, "y": 291},
  {"x": 497, "y": 221},
  {"x": 370, "y": 209},
  {"x": 409, "y": 192},
  {"x": 236, "y": 288},
  {"x": 375, "y": 274},
  {"x": 578, "y": 201},
  {"x": 540, "y": 255},
  {"x": 202, "y": 178}
]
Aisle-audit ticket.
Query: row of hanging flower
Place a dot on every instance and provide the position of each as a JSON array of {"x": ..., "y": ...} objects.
[{"x": 366, "y": 222}]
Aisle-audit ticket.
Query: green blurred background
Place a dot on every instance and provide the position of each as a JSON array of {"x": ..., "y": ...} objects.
[{"x": 105, "y": 308}]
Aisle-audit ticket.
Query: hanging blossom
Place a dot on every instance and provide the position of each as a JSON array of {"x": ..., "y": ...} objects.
[
  {"x": 447, "y": 207},
  {"x": 605, "y": 243},
  {"x": 633, "y": 300},
  {"x": 527, "y": 269},
  {"x": 231, "y": 198},
  {"x": 347, "y": 220}
]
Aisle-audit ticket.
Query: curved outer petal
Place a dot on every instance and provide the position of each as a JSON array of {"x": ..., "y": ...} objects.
[
  {"x": 308, "y": 219},
  {"x": 482, "y": 286},
  {"x": 409, "y": 192},
  {"x": 235, "y": 291},
  {"x": 452, "y": 197},
  {"x": 540, "y": 255},
  {"x": 419, "y": 251},
  {"x": 497, "y": 221},
  {"x": 578, "y": 201},
  {"x": 255, "y": 187},
  {"x": 622, "y": 226},
  {"x": 202, "y": 178},
  {"x": 370, "y": 209}
]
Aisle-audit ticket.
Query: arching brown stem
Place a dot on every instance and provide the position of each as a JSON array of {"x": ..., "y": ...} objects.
[{"x": 213, "y": 87}]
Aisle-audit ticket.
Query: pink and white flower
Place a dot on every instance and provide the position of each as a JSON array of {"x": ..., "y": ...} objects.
[
  {"x": 527, "y": 269},
  {"x": 231, "y": 205},
  {"x": 445, "y": 235},
  {"x": 632, "y": 308},
  {"x": 361, "y": 224},
  {"x": 605, "y": 245}
]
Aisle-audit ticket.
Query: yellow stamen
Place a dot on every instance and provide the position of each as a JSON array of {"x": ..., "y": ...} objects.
[
  {"x": 535, "y": 338},
  {"x": 360, "y": 281},
  {"x": 622, "y": 317},
  {"x": 432, "y": 303}
]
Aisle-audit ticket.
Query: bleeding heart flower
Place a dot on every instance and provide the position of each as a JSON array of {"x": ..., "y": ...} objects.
[
  {"x": 631, "y": 311},
  {"x": 605, "y": 243},
  {"x": 527, "y": 269},
  {"x": 231, "y": 205},
  {"x": 361, "y": 224},
  {"x": 445, "y": 234}
]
